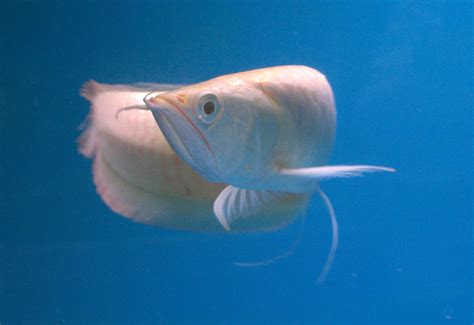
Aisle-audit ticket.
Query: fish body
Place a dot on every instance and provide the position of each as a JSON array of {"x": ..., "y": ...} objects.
[{"x": 238, "y": 152}]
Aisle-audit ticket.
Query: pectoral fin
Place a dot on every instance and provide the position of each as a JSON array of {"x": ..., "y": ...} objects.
[
  {"x": 235, "y": 203},
  {"x": 301, "y": 179}
]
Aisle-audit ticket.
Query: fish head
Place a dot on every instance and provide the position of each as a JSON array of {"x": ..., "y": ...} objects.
[{"x": 224, "y": 129}]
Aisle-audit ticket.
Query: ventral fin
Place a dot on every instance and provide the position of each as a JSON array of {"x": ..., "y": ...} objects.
[
  {"x": 235, "y": 203},
  {"x": 306, "y": 179}
]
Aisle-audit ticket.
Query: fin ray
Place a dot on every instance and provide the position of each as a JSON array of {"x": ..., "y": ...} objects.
[
  {"x": 326, "y": 172},
  {"x": 235, "y": 203},
  {"x": 307, "y": 179}
]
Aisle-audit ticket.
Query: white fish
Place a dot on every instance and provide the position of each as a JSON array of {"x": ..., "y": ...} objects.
[
  {"x": 139, "y": 176},
  {"x": 262, "y": 136}
]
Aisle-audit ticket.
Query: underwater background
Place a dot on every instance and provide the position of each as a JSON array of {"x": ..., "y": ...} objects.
[{"x": 402, "y": 75}]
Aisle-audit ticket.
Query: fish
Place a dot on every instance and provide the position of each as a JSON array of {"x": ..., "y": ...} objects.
[
  {"x": 248, "y": 146},
  {"x": 139, "y": 176}
]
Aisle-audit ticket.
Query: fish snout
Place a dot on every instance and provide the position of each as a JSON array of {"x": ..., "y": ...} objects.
[
  {"x": 155, "y": 101},
  {"x": 150, "y": 98}
]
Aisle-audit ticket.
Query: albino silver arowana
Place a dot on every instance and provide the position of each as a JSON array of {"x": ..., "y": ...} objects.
[{"x": 255, "y": 143}]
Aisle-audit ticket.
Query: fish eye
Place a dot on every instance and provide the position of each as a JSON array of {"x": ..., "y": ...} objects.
[{"x": 209, "y": 108}]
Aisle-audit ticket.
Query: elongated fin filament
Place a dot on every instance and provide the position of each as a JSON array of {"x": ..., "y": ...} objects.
[{"x": 335, "y": 238}]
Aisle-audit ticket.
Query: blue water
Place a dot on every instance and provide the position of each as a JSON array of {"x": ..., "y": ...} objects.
[{"x": 402, "y": 76}]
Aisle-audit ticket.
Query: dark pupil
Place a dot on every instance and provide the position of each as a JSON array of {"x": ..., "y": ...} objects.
[{"x": 209, "y": 108}]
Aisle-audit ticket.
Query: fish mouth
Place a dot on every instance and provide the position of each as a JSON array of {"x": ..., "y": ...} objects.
[{"x": 184, "y": 137}]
